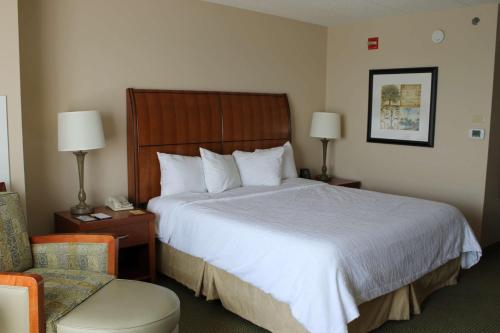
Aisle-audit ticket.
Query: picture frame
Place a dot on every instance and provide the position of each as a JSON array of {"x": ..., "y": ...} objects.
[
  {"x": 402, "y": 106},
  {"x": 4, "y": 143}
]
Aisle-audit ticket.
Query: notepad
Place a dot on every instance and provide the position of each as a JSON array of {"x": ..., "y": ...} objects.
[
  {"x": 101, "y": 216},
  {"x": 86, "y": 218}
]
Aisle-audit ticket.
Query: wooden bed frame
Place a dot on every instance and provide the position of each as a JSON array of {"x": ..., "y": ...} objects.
[{"x": 179, "y": 122}]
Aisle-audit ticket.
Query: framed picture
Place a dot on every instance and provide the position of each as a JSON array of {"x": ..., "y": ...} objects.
[
  {"x": 4, "y": 143},
  {"x": 402, "y": 106}
]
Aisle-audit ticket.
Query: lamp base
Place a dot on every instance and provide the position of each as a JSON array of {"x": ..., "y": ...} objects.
[
  {"x": 81, "y": 209},
  {"x": 324, "y": 178}
]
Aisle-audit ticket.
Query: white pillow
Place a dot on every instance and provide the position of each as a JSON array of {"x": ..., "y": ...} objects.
[
  {"x": 221, "y": 172},
  {"x": 260, "y": 167},
  {"x": 181, "y": 174},
  {"x": 289, "y": 169}
]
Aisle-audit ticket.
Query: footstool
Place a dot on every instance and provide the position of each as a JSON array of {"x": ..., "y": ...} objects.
[{"x": 125, "y": 306}]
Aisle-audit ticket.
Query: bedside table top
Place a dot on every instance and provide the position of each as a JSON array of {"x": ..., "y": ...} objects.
[
  {"x": 116, "y": 217},
  {"x": 343, "y": 182}
]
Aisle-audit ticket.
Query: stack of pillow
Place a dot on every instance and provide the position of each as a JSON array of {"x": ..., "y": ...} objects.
[{"x": 217, "y": 173}]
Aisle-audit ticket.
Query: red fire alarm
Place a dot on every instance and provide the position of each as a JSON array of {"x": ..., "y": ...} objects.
[{"x": 373, "y": 43}]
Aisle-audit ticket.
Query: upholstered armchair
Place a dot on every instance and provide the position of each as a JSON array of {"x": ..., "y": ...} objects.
[{"x": 45, "y": 277}]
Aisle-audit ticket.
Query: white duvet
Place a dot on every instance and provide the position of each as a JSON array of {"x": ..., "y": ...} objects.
[{"x": 321, "y": 249}]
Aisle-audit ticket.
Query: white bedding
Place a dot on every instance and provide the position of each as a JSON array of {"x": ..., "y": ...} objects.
[{"x": 321, "y": 249}]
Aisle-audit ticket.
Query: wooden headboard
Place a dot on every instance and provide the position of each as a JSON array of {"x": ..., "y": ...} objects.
[{"x": 179, "y": 122}]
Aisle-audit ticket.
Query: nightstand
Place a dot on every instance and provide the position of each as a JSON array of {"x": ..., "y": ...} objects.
[
  {"x": 343, "y": 182},
  {"x": 135, "y": 235}
]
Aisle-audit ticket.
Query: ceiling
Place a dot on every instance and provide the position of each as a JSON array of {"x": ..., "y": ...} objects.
[{"x": 335, "y": 12}]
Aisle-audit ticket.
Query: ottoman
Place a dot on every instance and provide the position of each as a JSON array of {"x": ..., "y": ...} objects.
[{"x": 125, "y": 306}]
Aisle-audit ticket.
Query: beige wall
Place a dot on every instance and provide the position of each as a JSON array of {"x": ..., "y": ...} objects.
[
  {"x": 10, "y": 87},
  {"x": 491, "y": 224},
  {"x": 84, "y": 54},
  {"x": 454, "y": 171}
]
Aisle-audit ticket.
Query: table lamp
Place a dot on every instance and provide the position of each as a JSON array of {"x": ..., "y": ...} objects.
[
  {"x": 78, "y": 132},
  {"x": 326, "y": 126}
]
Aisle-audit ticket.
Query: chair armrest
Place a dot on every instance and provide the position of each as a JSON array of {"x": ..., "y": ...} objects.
[
  {"x": 34, "y": 283},
  {"x": 81, "y": 239}
]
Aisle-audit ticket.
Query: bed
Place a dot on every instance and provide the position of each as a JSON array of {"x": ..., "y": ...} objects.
[{"x": 249, "y": 248}]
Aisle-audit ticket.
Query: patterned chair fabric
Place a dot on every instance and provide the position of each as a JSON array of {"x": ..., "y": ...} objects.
[
  {"x": 15, "y": 249},
  {"x": 91, "y": 257},
  {"x": 71, "y": 272},
  {"x": 66, "y": 289}
]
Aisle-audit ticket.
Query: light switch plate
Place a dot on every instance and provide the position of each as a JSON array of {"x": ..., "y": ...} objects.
[{"x": 476, "y": 133}]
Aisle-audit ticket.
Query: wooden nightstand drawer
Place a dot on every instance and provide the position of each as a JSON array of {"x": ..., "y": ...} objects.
[{"x": 130, "y": 234}]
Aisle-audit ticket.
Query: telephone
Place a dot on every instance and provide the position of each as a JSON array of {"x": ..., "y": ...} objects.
[{"x": 118, "y": 203}]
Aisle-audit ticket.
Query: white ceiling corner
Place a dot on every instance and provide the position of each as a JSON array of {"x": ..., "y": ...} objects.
[{"x": 336, "y": 12}]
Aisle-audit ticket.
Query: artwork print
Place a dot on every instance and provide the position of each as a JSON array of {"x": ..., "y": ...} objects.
[
  {"x": 402, "y": 106},
  {"x": 4, "y": 143}
]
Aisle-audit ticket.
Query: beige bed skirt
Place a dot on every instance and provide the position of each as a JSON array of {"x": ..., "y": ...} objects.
[{"x": 263, "y": 310}]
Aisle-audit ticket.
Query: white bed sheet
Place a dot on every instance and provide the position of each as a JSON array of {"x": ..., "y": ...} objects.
[{"x": 321, "y": 249}]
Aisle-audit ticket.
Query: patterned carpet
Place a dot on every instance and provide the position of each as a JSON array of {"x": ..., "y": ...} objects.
[{"x": 471, "y": 306}]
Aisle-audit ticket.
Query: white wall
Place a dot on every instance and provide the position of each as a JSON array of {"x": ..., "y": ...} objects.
[{"x": 10, "y": 86}]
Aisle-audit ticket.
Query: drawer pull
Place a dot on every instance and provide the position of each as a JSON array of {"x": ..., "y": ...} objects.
[{"x": 122, "y": 237}]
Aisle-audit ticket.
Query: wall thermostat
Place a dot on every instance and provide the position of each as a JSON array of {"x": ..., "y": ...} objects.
[
  {"x": 476, "y": 133},
  {"x": 438, "y": 36}
]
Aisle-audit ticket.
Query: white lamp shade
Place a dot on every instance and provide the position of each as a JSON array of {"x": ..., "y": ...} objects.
[
  {"x": 325, "y": 125},
  {"x": 80, "y": 130}
]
